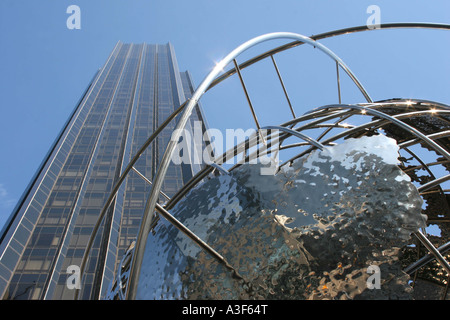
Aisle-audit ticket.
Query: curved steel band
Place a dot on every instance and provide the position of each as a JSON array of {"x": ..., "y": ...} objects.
[
  {"x": 401, "y": 25},
  {"x": 399, "y": 123},
  {"x": 297, "y": 134},
  {"x": 384, "y": 119}
]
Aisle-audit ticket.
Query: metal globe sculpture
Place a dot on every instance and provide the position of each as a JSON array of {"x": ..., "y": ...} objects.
[{"x": 350, "y": 204}]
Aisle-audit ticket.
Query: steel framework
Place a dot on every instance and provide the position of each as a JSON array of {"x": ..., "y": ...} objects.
[{"x": 396, "y": 117}]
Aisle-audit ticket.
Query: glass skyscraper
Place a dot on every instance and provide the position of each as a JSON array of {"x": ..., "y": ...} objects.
[{"x": 139, "y": 86}]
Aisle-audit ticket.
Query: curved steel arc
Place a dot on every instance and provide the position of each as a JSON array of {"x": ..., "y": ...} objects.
[
  {"x": 435, "y": 252},
  {"x": 425, "y": 167},
  {"x": 434, "y": 136},
  {"x": 401, "y": 25},
  {"x": 297, "y": 134},
  {"x": 392, "y": 119},
  {"x": 433, "y": 183},
  {"x": 161, "y": 172},
  {"x": 407, "y": 127},
  {"x": 426, "y": 259},
  {"x": 408, "y": 102},
  {"x": 344, "y": 113}
]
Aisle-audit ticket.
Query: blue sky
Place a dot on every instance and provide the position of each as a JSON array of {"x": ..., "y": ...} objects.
[{"x": 44, "y": 66}]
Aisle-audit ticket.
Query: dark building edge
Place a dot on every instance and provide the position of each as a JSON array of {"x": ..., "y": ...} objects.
[{"x": 38, "y": 172}]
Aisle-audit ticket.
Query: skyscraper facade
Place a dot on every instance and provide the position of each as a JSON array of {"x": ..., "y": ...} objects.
[{"x": 139, "y": 86}]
